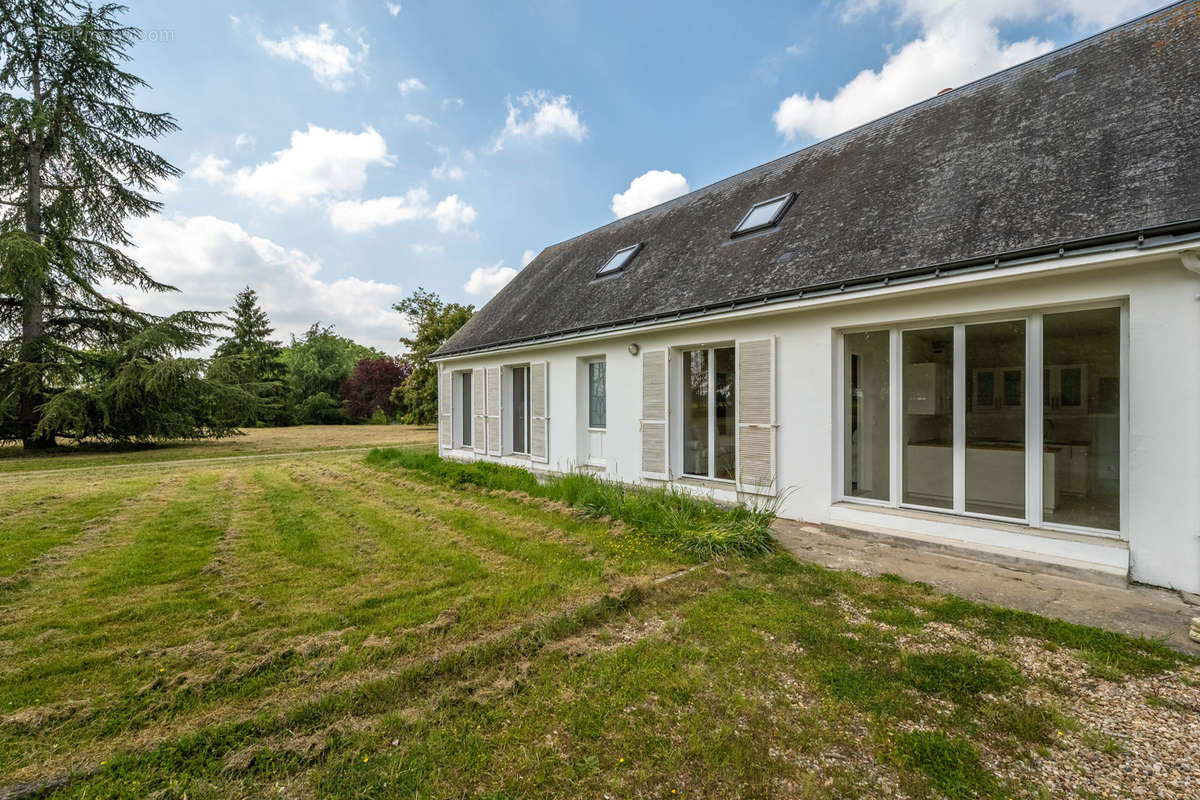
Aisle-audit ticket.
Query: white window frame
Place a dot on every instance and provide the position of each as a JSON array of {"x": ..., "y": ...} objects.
[
  {"x": 463, "y": 410},
  {"x": 1034, "y": 511},
  {"x": 594, "y": 434},
  {"x": 681, "y": 402}
]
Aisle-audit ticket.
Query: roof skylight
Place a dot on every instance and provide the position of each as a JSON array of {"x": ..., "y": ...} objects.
[
  {"x": 764, "y": 214},
  {"x": 620, "y": 260}
]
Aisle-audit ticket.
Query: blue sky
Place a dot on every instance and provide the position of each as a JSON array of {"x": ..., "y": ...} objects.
[{"x": 339, "y": 155}]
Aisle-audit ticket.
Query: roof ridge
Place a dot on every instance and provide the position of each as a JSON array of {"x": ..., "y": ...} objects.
[{"x": 944, "y": 97}]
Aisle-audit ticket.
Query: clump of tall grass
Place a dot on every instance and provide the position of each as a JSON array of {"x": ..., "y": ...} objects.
[{"x": 689, "y": 524}]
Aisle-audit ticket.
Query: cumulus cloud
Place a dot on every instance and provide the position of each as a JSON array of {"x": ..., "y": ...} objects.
[
  {"x": 450, "y": 214},
  {"x": 210, "y": 259},
  {"x": 539, "y": 115},
  {"x": 486, "y": 281},
  {"x": 527, "y": 256},
  {"x": 447, "y": 171},
  {"x": 410, "y": 85},
  {"x": 331, "y": 62},
  {"x": 959, "y": 42},
  {"x": 317, "y": 163},
  {"x": 649, "y": 189}
]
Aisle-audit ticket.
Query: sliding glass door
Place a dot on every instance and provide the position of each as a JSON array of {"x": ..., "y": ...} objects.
[{"x": 954, "y": 419}]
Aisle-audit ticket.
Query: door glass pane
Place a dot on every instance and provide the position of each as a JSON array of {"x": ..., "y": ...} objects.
[
  {"x": 866, "y": 410},
  {"x": 995, "y": 358},
  {"x": 928, "y": 434},
  {"x": 695, "y": 412},
  {"x": 597, "y": 400},
  {"x": 519, "y": 418},
  {"x": 724, "y": 424},
  {"x": 1082, "y": 418},
  {"x": 465, "y": 407}
]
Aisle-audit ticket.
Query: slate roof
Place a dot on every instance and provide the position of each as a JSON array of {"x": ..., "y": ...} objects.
[{"x": 1098, "y": 141}]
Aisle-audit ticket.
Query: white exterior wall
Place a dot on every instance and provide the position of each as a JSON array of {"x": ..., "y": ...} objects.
[{"x": 1161, "y": 479}]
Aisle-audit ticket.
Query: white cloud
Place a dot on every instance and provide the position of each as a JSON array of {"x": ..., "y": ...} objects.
[
  {"x": 210, "y": 259},
  {"x": 244, "y": 141},
  {"x": 447, "y": 171},
  {"x": 332, "y": 63},
  {"x": 453, "y": 215},
  {"x": 393, "y": 8},
  {"x": 420, "y": 249},
  {"x": 355, "y": 216},
  {"x": 410, "y": 85},
  {"x": 959, "y": 42},
  {"x": 452, "y": 101},
  {"x": 419, "y": 119},
  {"x": 649, "y": 189},
  {"x": 317, "y": 163},
  {"x": 538, "y": 115},
  {"x": 486, "y": 281},
  {"x": 450, "y": 214},
  {"x": 527, "y": 256}
]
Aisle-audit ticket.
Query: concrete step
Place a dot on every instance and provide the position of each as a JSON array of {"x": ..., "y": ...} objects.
[{"x": 1103, "y": 561}]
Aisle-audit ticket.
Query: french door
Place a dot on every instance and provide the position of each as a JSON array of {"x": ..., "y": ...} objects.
[{"x": 1017, "y": 419}]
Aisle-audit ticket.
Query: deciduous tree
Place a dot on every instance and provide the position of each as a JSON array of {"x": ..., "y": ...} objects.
[{"x": 433, "y": 321}]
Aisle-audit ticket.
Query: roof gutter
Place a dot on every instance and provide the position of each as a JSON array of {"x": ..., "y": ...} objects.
[{"x": 1145, "y": 239}]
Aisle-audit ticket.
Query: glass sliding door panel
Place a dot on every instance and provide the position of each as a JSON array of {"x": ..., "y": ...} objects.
[
  {"x": 724, "y": 424},
  {"x": 695, "y": 412},
  {"x": 928, "y": 420},
  {"x": 520, "y": 410},
  {"x": 995, "y": 422},
  {"x": 1082, "y": 418},
  {"x": 465, "y": 414},
  {"x": 867, "y": 407}
]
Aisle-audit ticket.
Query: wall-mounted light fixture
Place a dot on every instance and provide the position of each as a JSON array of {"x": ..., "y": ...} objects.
[{"x": 633, "y": 349}]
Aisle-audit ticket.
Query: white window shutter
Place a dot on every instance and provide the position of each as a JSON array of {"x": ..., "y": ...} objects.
[
  {"x": 493, "y": 411},
  {"x": 445, "y": 408},
  {"x": 655, "y": 462},
  {"x": 479, "y": 409},
  {"x": 756, "y": 416},
  {"x": 539, "y": 416}
]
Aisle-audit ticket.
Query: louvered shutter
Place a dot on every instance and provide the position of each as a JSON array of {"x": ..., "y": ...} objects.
[
  {"x": 539, "y": 417},
  {"x": 445, "y": 408},
  {"x": 654, "y": 415},
  {"x": 493, "y": 411},
  {"x": 479, "y": 409},
  {"x": 756, "y": 416}
]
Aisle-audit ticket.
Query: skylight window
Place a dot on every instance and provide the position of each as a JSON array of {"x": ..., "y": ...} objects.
[
  {"x": 764, "y": 214},
  {"x": 620, "y": 260}
]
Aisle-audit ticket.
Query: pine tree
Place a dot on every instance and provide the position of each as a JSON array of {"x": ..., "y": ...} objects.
[
  {"x": 73, "y": 167},
  {"x": 249, "y": 358}
]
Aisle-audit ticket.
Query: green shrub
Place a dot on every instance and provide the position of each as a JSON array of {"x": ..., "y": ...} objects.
[
  {"x": 378, "y": 418},
  {"x": 690, "y": 524}
]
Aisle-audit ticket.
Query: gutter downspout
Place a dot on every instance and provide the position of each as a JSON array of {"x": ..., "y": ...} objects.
[{"x": 1191, "y": 262}]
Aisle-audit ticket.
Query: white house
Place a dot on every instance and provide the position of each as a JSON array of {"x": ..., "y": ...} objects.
[{"x": 973, "y": 321}]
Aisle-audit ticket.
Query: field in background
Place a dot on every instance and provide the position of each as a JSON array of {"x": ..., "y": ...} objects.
[
  {"x": 311, "y": 625},
  {"x": 255, "y": 441}
]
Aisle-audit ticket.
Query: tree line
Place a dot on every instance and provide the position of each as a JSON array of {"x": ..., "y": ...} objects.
[{"x": 76, "y": 360}]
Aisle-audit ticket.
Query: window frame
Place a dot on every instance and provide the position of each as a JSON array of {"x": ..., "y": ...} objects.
[
  {"x": 787, "y": 200},
  {"x": 607, "y": 272},
  {"x": 590, "y": 364},
  {"x": 527, "y": 409},
  {"x": 1032, "y": 402},
  {"x": 465, "y": 440},
  {"x": 681, "y": 396}
]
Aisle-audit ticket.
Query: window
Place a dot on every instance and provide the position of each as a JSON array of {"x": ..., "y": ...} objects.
[
  {"x": 970, "y": 438},
  {"x": 466, "y": 415},
  {"x": 709, "y": 427},
  {"x": 764, "y": 214},
  {"x": 867, "y": 431},
  {"x": 619, "y": 261},
  {"x": 520, "y": 410},
  {"x": 597, "y": 399}
]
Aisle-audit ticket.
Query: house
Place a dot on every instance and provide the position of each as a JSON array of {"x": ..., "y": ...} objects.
[{"x": 974, "y": 321}]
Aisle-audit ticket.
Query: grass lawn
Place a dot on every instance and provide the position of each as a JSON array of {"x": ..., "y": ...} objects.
[
  {"x": 317, "y": 625},
  {"x": 254, "y": 441}
]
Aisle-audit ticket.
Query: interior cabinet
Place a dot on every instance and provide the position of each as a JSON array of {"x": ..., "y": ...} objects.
[
  {"x": 997, "y": 388},
  {"x": 1065, "y": 389}
]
